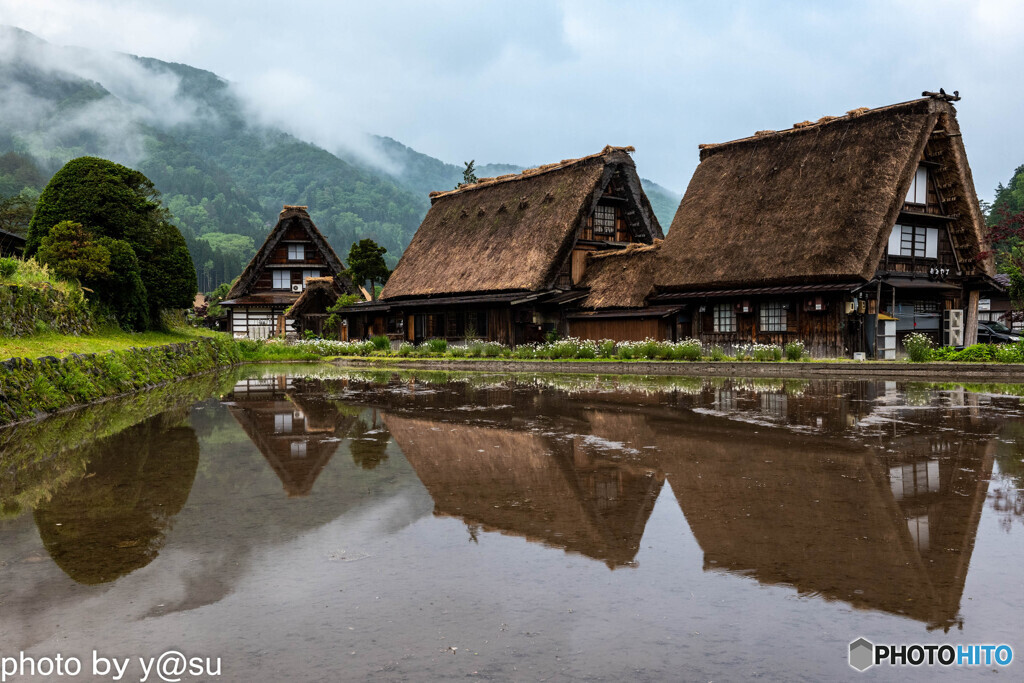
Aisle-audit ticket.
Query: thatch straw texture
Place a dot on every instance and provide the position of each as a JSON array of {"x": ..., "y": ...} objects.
[
  {"x": 508, "y": 233},
  {"x": 812, "y": 203}
]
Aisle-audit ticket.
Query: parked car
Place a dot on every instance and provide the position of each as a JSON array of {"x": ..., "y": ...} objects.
[{"x": 992, "y": 332}]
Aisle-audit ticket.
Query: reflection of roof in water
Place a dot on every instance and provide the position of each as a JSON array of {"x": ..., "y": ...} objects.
[
  {"x": 562, "y": 493},
  {"x": 834, "y": 522},
  {"x": 298, "y": 433},
  {"x": 113, "y": 520}
]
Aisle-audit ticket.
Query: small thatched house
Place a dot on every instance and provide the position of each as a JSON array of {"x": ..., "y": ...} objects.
[
  {"x": 311, "y": 311},
  {"x": 847, "y": 234},
  {"x": 501, "y": 258},
  {"x": 294, "y": 251}
]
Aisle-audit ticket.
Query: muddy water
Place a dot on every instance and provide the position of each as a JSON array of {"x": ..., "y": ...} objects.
[{"x": 314, "y": 524}]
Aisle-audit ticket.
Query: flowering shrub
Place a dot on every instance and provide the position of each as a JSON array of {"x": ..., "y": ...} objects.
[
  {"x": 919, "y": 347},
  {"x": 436, "y": 345},
  {"x": 794, "y": 350},
  {"x": 766, "y": 352}
]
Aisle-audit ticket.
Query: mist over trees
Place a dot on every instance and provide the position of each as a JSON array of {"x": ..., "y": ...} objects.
[{"x": 222, "y": 175}]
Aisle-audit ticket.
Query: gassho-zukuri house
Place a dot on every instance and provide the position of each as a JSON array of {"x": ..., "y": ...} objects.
[
  {"x": 847, "y": 233},
  {"x": 502, "y": 259},
  {"x": 294, "y": 252}
]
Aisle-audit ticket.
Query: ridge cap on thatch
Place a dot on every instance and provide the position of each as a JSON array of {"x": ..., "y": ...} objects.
[
  {"x": 632, "y": 248},
  {"x": 706, "y": 149},
  {"x": 531, "y": 172},
  {"x": 515, "y": 234},
  {"x": 248, "y": 277}
]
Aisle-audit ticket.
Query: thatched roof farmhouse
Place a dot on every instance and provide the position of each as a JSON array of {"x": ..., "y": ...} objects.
[{"x": 877, "y": 205}]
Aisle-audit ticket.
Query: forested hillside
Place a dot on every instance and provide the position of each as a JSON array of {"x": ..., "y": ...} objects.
[{"x": 223, "y": 177}]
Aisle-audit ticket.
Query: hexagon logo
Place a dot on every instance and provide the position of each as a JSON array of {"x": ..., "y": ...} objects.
[{"x": 862, "y": 654}]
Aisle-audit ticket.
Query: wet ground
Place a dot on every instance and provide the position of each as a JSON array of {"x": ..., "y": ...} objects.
[{"x": 309, "y": 523}]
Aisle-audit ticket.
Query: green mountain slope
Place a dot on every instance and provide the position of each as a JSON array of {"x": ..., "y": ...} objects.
[{"x": 223, "y": 177}]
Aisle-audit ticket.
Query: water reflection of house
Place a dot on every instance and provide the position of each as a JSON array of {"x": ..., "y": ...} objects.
[
  {"x": 565, "y": 493},
  {"x": 296, "y": 431},
  {"x": 879, "y": 531}
]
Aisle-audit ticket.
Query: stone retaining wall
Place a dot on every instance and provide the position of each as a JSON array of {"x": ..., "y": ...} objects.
[
  {"x": 880, "y": 370},
  {"x": 24, "y": 310}
]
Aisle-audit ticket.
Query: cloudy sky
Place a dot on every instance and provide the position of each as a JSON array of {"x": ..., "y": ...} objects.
[{"x": 531, "y": 82}]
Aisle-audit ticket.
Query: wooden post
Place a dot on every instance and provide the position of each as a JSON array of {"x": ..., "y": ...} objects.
[{"x": 971, "y": 315}]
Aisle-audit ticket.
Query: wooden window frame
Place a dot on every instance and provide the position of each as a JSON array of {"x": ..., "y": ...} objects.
[
  {"x": 600, "y": 222},
  {"x": 300, "y": 248},
  {"x": 772, "y": 316},
  {"x": 279, "y": 274},
  {"x": 723, "y": 318}
]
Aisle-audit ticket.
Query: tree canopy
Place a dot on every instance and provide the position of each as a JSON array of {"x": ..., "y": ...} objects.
[
  {"x": 366, "y": 262},
  {"x": 114, "y": 202}
]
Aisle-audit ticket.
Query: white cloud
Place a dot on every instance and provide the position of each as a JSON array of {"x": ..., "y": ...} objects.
[{"x": 532, "y": 82}]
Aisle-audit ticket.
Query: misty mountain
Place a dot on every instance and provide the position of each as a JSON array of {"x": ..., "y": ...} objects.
[{"x": 223, "y": 175}]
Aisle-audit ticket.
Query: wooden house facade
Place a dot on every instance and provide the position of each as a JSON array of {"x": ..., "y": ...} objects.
[
  {"x": 294, "y": 251},
  {"x": 502, "y": 259},
  {"x": 11, "y": 244},
  {"x": 846, "y": 234}
]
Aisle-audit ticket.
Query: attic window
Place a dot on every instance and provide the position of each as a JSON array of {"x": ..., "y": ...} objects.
[
  {"x": 296, "y": 252},
  {"x": 918, "y": 193},
  {"x": 604, "y": 220},
  {"x": 282, "y": 279},
  {"x": 914, "y": 241}
]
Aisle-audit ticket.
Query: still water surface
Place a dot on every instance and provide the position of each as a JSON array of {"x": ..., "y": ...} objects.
[{"x": 311, "y": 523}]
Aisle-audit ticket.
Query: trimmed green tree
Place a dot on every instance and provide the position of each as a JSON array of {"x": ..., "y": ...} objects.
[
  {"x": 366, "y": 262},
  {"x": 120, "y": 203}
]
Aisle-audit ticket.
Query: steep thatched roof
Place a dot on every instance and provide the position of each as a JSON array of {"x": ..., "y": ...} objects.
[
  {"x": 512, "y": 232},
  {"x": 815, "y": 202},
  {"x": 290, "y": 215}
]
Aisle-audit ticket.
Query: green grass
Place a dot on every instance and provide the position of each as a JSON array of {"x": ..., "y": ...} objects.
[
  {"x": 31, "y": 273},
  {"x": 108, "y": 339}
]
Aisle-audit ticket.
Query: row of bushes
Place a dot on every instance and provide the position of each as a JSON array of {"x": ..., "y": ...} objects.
[
  {"x": 569, "y": 348},
  {"x": 31, "y": 387},
  {"x": 921, "y": 349}
]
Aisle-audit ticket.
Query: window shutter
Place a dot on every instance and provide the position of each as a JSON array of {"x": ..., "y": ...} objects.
[
  {"x": 894, "y": 240},
  {"x": 931, "y": 245}
]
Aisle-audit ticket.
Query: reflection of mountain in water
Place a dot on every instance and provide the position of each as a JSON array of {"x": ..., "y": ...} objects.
[
  {"x": 113, "y": 520},
  {"x": 560, "y": 492},
  {"x": 297, "y": 432}
]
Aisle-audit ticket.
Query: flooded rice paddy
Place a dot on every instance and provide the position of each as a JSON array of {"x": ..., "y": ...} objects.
[{"x": 310, "y": 523}]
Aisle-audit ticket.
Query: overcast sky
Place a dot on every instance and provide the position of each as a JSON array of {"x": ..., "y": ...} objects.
[{"x": 532, "y": 82}]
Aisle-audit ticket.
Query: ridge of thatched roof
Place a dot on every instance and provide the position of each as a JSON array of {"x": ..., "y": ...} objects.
[
  {"x": 529, "y": 172},
  {"x": 512, "y": 233},
  {"x": 814, "y": 202},
  {"x": 289, "y": 214}
]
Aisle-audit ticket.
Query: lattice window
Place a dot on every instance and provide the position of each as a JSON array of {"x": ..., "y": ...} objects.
[
  {"x": 604, "y": 220},
  {"x": 725, "y": 318},
  {"x": 282, "y": 279},
  {"x": 296, "y": 252},
  {"x": 773, "y": 317}
]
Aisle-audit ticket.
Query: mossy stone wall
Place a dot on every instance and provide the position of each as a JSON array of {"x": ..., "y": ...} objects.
[
  {"x": 29, "y": 388},
  {"x": 28, "y": 310}
]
